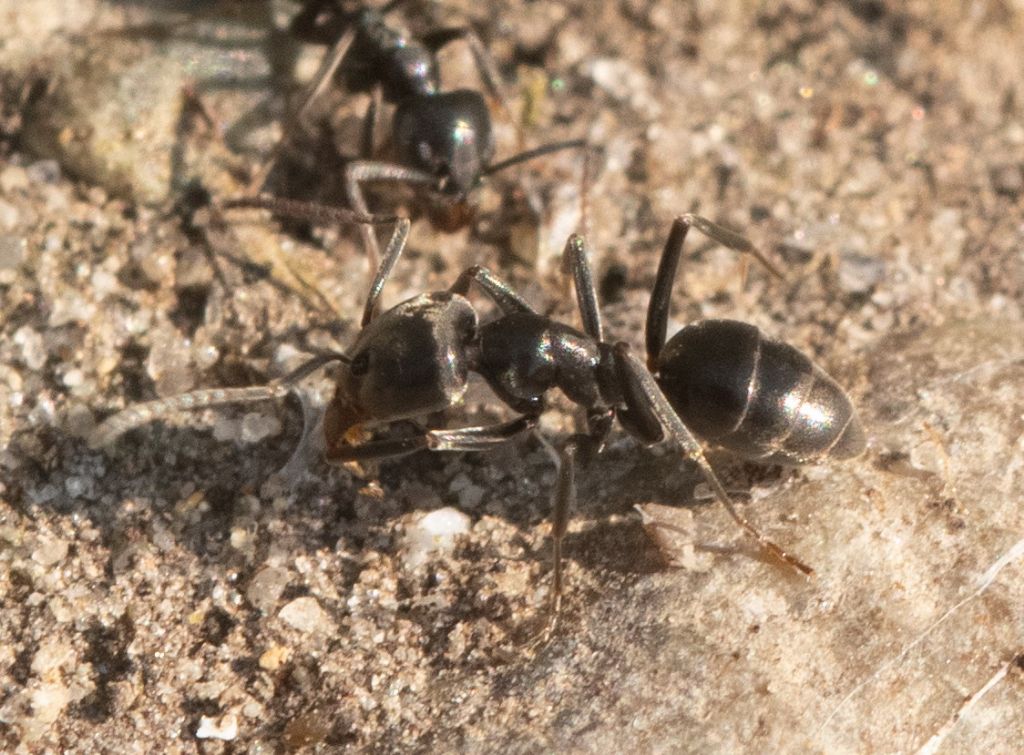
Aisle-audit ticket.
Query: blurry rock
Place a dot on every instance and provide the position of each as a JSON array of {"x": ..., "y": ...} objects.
[
  {"x": 306, "y": 615},
  {"x": 1008, "y": 179},
  {"x": 859, "y": 273},
  {"x": 266, "y": 587},
  {"x": 117, "y": 108}
]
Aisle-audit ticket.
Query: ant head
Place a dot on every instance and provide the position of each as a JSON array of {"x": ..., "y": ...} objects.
[
  {"x": 409, "y": 361},
  {"x": 447, "y": 135}
]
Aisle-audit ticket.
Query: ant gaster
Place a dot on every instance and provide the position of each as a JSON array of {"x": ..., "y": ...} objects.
[
  {"x": 443, "y": 140},
  {"x": 721, "y": 380}
]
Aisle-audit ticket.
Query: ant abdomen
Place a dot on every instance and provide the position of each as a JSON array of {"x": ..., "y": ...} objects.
[{"x": 756, "y": 396}]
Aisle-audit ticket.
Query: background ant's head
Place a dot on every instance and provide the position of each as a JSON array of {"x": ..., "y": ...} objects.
[
  {"x": 447, "y": 135},
  {"x": 409, "y": 361}
]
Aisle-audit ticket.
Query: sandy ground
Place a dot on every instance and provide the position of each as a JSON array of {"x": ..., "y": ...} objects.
[{"x": 172, "y": 593}]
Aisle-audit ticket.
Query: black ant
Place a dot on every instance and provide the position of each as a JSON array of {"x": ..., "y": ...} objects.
[
  {"x": 720, "y": 380},
  {"x": 442, "y": 139}
]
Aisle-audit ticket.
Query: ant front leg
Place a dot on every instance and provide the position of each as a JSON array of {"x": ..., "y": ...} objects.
[
  {"x": 642, "y": 394},
  {"x": 661, "y": 294},
  {"x": 472, "y": 439}
]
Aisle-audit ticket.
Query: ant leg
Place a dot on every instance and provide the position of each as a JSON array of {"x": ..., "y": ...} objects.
[
  {"x": 118, "y": 424},
  {"x": 361, "y": 171},
  {"x": 643, "y": 393},
  {"x": 316, "y": 87},
  {"x": 575, "y": 448},
  {"x": 547, "y": 149},
  {"x": 482, "y": 438},
  {"x": 577, "y": 257},
  {"x": 661, "y": 294},
  {"x": 370, "y": 122},
  {"x": 328, "y": 67},
  {"x": 485, "y": 66},
  {"x": 323, "y": 214},
  {"x": 500, "y": 292},
  {"x": 395, "y": 247}
]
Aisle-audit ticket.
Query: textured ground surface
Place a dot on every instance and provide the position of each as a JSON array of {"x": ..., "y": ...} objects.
[{"x": 169, "y": 593}]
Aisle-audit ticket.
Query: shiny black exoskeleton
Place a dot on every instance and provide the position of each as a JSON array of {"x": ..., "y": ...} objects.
[
  {"x": 443, "y": 140},
  {"x": 720, "y": 380},
  {"x": 731, "y": 384}
]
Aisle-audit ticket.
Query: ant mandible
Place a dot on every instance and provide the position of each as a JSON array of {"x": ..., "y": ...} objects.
[
  {"x": 720, "y": 380},
  {"x": 443, "y": 139}
]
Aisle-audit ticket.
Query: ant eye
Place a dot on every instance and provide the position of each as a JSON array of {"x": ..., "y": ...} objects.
[{"x": 360, "y": 365}]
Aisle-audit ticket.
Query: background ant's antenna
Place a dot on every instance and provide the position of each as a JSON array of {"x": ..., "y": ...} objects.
[{"x": 140, "y": 414}]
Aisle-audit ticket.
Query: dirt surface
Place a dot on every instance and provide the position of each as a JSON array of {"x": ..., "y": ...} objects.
[{"x": 172, "y": 592}]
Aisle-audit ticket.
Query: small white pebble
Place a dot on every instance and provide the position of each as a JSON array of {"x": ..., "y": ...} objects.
[
  {"x": 50, "y": 552},
  {"x": 103, "y": 282},
  {"x": 435, "y": 531},
  {"x": 13, "y": 178},
  {"x": 225, "y": 729},
  {"x": 256, "y": 427},
  {"x": 73, "y": 378},
  {"x": 225, "y": 428},
  {"x": 9, "y": 216},
  {"x": 33, "y": 353},
  {"x": 306, "y": 615}
]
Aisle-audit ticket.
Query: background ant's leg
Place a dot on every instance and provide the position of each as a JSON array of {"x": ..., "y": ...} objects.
[
  {"x": 140, "y": 414},
  {"x": 485, "y": 66},
  {"x": 387, "y": 264},
  {"x": 480, "y": 438},
  {"x": 328, "y": 67},
  {"x": 661, "y": 294},
  {"x": 321, "y": 80},
  {"x": 501, "y": 293},
  {"x": 577, "y": 257},
  {"x": 655, "y": 402},
  {"x": 378, "y": 449},
  {"x": 361, "y": 171},
  {"x": 370, "y": 122}
]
